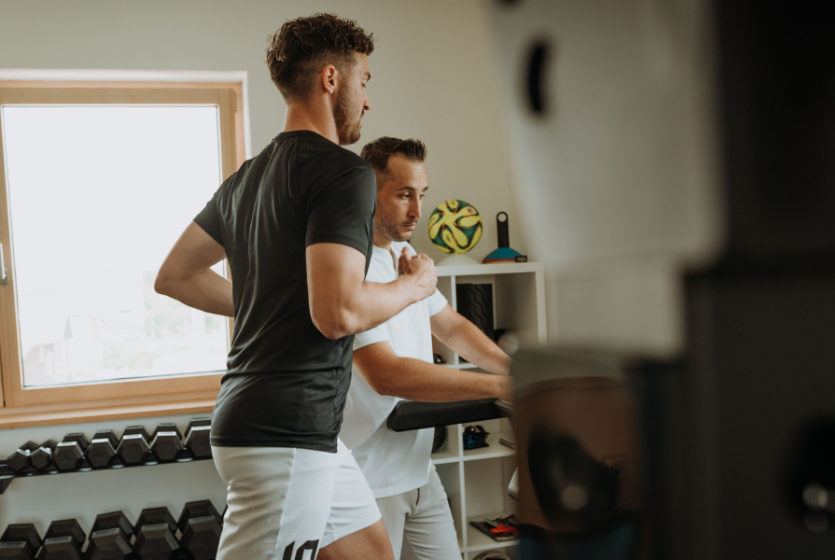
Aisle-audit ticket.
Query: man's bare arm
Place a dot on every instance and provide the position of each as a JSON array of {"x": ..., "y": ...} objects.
[
  {"x": 409, "y": 378},
  {"x": 343, "y": 303},
  {"x": 461, "y": 336},
  {"x": 186, "y": 276}
]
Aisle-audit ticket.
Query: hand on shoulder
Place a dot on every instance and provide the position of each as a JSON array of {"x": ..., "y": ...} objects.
[{"x": 421, "y": 270}]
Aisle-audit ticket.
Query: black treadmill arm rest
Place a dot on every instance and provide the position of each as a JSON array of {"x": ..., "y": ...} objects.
[{"x": 414, "y": 415}]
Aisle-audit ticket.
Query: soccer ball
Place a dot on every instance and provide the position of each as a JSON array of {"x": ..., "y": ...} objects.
[{"x": 455, "y": 226}]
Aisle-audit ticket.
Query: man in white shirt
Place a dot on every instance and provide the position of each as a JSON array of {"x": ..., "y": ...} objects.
[{"x": 393, "y": 361}]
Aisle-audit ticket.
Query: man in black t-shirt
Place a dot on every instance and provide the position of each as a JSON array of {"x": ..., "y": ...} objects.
[{"x": 296, "y": 226}]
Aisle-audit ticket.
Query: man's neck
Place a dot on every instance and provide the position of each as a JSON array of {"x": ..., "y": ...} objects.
[
  {"x": 381, "y": 241},
  {"x": 385, "y": 243},
  {"x": 310, "y": 116}
]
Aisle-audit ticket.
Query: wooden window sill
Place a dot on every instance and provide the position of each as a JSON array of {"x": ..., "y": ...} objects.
[{"x": 43, "y": 415}]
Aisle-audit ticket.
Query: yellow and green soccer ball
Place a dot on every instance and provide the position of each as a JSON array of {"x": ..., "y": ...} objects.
[{"x": 455, "y": 226}]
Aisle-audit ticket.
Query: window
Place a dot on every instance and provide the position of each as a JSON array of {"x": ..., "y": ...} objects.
[{"x": 99, "y": 179}]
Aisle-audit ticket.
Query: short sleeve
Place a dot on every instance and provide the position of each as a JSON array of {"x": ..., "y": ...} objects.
[
  {"x": 380, "y": 333},
  {"x": 209, "y": 219},
  {"x": 343, "y": 210},
  {"x": 436, "y": 302}
]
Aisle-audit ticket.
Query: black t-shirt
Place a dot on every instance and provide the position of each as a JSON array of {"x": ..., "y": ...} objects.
[{"x": 286, "y": 382}]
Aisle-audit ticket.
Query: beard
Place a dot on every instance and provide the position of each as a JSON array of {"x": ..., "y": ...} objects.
[
  {"x": 347, "y": 129},
  {"x": 392, "y": 231}
]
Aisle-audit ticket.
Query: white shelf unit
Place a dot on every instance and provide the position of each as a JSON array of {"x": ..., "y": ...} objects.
[{"x": 476, "y": 480}]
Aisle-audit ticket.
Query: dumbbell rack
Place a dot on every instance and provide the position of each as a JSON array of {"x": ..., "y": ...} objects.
[
  {"x": 156, "y": 535},
  {"x": 7, "y": 475}
]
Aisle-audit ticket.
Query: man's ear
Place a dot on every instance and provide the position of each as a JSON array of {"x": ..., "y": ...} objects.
[{"x": 329, "y": 77}]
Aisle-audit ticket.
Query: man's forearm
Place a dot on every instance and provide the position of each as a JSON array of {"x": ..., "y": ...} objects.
[
  {"x": 414, "y": 379},
  {"x": 465, "y": 339},
  {"x": 186, "y": 273},
  {"x": 476, "y": 348},
  {"x": 207, "y": 291},
  {"x": 343, "y": 303},
  {"x": 375, "y": 303}
]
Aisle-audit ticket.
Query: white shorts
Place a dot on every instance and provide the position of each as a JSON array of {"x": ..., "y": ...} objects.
[
  {"x": 288, "y": 503},
  {"x": 419, "y": 523}
]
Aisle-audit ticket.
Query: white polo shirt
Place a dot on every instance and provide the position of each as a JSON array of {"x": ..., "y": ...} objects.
[{"x": 392, "y": 462}]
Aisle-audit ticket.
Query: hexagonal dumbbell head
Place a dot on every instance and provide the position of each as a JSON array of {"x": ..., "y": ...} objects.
[
  {"x": 18, "y": 460},
  {"x": 20, "y": 541},
  {"x": 167, "y": 443},
  {"x": 68, "y": 454},
  {"x": 155, "y": 534},
  {"x": 197, "y": 438},
  {"x": 110, "y": 537},
  {"x": 155, "y": 541},
  {"x": 102, "y": 449},
  {"x": 156, "y": 515},
  {"x": 134, "y": 447},
  {"x": 41, "y": 458},
  {"x": 63, "y": 541},
  {"x": 108, "y": 544},
  {"x": 200, "y": 525}
]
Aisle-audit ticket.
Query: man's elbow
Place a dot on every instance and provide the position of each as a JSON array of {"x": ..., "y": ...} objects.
[
  {"x": 334, "y": 324},
  {"x": 167, "y": 284},
  {"x": 162, "y": 283},
  {"x": 378, "y": 378}
]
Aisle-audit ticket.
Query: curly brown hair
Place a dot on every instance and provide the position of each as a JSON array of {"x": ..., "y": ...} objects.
[
  {"x": 378, "y": 152},
  {"x": 301, "y": 47}
]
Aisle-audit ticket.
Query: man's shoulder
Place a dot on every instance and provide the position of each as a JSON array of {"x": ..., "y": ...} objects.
[{"x": 322, "y": 154}]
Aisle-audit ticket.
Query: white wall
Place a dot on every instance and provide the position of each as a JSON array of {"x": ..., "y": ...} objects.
[
  {"x": 432, "y": 72},
  {"x": 433, "y": 78}
]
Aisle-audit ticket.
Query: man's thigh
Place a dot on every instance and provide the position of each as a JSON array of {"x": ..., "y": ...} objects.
[
  {"x": 430, "y": 529},
  {"x": 352, "y": 505},
  {"x": 279, "y": 500},
  {"x": 394, "y": 510}
]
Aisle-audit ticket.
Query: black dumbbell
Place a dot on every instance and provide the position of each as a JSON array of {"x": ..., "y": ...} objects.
[
  {"x": 134, "y": 448},
  {"x": 102, "y": 449},
  {"x": 20, "y": 541},
  {"x": 69, "y": 454},
  {"x": 110, "y": 538},
  {"x": 41, "y": 458},
  {"x": 156, "y": 535},
  {"x": 167, "y": 442},
  {"x": 63, "y": 541},
  {"x": 197, "y": 438},
  {"x": 18, "y": 460},
  {"x": 200, "y": 526}
]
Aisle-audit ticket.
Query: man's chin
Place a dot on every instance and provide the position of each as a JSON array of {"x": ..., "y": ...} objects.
[{"x": 348, "y": 137}]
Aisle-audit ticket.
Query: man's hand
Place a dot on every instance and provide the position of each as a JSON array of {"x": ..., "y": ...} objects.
[{"x": 421, "y": 270}]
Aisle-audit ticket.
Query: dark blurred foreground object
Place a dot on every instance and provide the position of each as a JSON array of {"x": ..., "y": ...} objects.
[
  {"x": 725, "y": 451},
  {"x": 579, "y": 457}
]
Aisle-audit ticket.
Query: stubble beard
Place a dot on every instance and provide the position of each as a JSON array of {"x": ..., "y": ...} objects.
[
  {"x": 392, "y": 231},
  {"x": 347, "y": 131}
]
